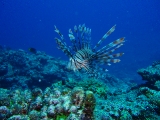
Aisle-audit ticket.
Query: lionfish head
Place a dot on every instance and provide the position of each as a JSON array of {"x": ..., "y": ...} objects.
[{"x": 80, "y": 60}]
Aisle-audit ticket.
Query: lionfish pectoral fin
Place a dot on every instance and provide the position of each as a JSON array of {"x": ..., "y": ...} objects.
[
  {"x": 115, "y": 60},
  {"x": 117, "y": 43},
  {"x": 104, "y": 37}
]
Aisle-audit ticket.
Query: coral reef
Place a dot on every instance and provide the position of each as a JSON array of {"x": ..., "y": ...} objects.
[
  {"x": 153, "y": 95},
  {"x": 20, "y": 68},
  {"x": 64, "y": 103},
  {"x": 39, "y": 87},
  {"x": 98, "y": 87},
  {"x": 152, "y": 75},
  {"x": 151, "y": 89},
  {"x": 48, "y": 104}
]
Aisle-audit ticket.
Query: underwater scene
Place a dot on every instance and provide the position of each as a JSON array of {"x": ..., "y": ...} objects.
[{"x": 79, "y": 60}]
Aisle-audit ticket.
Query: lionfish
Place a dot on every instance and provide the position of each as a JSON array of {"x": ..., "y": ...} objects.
[{"x": 82, "y": 56}]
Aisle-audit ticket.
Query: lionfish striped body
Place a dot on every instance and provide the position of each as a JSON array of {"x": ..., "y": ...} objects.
[{"x": 82, "y": 55}]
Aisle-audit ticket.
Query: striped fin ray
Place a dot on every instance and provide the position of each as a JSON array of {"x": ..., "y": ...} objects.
[
  {"x": 109, "y": 60},
  {"x": 111, "y": 56},
  {"x": 113, "y": 60},
  {"x": 110, "y": 45},
  {"x": 81, "y": 38},
  {"x": 61, "y": 44},
  {"x": 85, "y": 36},
  {"x": 59, "y": 33},
  {"x": 73, "y": 40},
  {"x": 63, "y": 47},
  {"x": 104, "y": 37},
  {"x": 109, "y": 52},
  {"x": 86, "y": 42},
  {"x": 78, "y": 39}
]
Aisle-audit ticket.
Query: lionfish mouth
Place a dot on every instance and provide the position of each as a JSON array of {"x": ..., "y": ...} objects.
[{"x": 82, "y": 56}]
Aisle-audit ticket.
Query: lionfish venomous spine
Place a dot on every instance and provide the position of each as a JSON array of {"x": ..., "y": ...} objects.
[{"x": 82, "y": 56}]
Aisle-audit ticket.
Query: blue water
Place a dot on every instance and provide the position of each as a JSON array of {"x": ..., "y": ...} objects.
[{"x": 30, "y": 23}]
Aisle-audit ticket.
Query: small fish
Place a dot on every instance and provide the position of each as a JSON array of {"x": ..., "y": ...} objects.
[{"x": 32, "y": 50}]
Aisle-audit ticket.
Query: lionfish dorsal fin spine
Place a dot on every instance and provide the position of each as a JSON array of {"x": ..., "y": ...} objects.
[
  {"x": 73, "y": 40},
  {"x": 61, "y": 44}
]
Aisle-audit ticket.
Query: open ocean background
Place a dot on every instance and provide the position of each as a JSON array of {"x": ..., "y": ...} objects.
[{"x": 30, "y": 23}]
